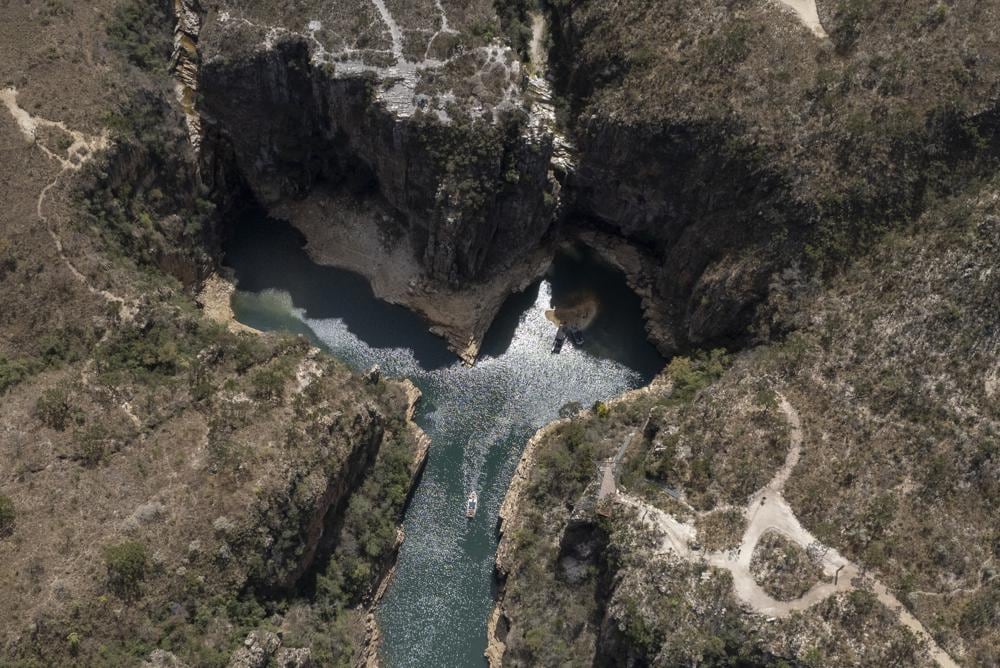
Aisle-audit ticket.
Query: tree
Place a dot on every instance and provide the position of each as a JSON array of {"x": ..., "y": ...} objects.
[
  {"x": 7, "y": 516},
  {"x": 268, "y": 384},
  {"x": 53, "y": 408},
  {"x": 126, "y": 564}
]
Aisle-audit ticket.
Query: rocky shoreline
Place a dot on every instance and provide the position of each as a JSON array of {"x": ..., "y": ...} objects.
[
  {"x": 373, "y": 635},
  {"x": 344, "y": 233},
  {"x": 498, "y": 623},
  {"x": 508, "y": 516}
]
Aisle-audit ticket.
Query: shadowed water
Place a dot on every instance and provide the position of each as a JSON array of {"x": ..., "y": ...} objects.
[{"x": 435, "y": 611}]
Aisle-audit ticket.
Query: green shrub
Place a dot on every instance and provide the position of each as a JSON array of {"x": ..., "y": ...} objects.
[
  {"x": 91, "y": 444},
  {"x": 515, "y": 22},
  {"x": 53, "y": 408},
  {"x": 268, "y": 384},
  {"x": 126, "y": 564},
  {"x": 851, "y": 17},
  {"x": 140, "y": 31},
  {"x": 7, "y": 515},
  {"x": 729, "y": 46},
  {"x": 247, "y": 352},
  {"x": 720, "y": 530},
  {"x": 369, "y": 531},
  {"x": 13, "y": 372},
  {"x": 8, "y": 261},
  {"x": 64, "y": 345},
  {"x": 692, "y": 374}
]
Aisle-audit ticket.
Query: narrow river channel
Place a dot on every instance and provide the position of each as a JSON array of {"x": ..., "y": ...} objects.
[{"x": 479, "y": 419}]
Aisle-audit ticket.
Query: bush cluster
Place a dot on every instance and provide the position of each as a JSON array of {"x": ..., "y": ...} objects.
[
  {"x": 126, "y": 565},
  {"x": 7, "y": 516},
  {"x": 141, "y": 31},
  {"x": 53, "y": 408}
]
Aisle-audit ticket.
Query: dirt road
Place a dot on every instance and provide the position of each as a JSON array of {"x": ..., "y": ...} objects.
[{"x": 767, "y": 511}]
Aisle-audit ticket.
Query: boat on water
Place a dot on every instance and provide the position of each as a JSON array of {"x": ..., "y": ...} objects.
[
  {"x": 560, "y": 340},
  {"x": 471, "y": 504}
]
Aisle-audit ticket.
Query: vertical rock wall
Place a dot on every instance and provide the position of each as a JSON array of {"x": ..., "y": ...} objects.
[{"x": 471, "y": 191}]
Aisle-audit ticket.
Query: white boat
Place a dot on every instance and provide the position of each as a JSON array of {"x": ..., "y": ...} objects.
[{"x": 470, "y": 505}]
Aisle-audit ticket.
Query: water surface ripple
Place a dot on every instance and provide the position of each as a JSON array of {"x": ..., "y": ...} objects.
[{"x": 434, "y": 613}]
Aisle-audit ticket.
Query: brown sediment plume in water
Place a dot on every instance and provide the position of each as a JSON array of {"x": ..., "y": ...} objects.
[{"x": 579, "y": 312}]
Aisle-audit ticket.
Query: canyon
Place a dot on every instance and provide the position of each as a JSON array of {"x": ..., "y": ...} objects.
[{"x": 803, "y": 208}]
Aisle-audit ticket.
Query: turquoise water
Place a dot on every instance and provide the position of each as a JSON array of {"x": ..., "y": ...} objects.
[{"x": 434, "y": 612}]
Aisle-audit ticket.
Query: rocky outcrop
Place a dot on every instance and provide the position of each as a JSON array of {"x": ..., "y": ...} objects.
[
  {"x": 732, "y": 144},
  {"x": 684, "y": 194},
  {"x": 319, "y": 512},
  {"x": 691, "y": 206},
  {"x": 263, "y": 649},
  {"x": 368, "y": 430},
  {"x": 498, "y": 623},
  {"x": 581, "y": 541},
  {"x": 184, "y": 63}
]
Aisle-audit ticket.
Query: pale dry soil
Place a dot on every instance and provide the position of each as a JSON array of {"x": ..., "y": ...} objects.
[
  {"x": 768, "y": 511},
  {"x": 806, "y": 12},
  {"x": 215, "y": 299}
]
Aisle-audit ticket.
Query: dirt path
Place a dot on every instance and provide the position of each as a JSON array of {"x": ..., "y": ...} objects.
[
  {"x": 81, "y": 150},
  {"x": 767, "y": 511},
  {"x": 608, "y": 470},
  {"x": 806, "y": 11},
  {"x": 395, "y": 34}
]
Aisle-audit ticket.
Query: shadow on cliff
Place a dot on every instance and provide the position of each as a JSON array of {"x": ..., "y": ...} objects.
[{"x": 269, "y": 254}]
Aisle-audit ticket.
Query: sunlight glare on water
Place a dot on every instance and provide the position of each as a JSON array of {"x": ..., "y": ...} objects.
[{"x": 435, "y": 611}]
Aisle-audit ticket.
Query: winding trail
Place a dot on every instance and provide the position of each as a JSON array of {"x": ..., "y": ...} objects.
[
  {"x": 82, "y": 149},
  {"x": 443, "y": 30},
  {"x": 768, "y": 511}
]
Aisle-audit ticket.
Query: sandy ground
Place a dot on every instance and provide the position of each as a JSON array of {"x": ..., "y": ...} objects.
[
  {"x": 767, "y": 511},
  {"x": 580, "y": 314},
  {"x": 806, "y": 11},
  {"x": 215, "y": 301}
]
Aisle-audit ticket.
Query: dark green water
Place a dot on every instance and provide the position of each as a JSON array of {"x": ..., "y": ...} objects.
[{"x": 434, "y": 613}]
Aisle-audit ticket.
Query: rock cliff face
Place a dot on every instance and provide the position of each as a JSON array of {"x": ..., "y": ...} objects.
[
  {"x": 732, "y": 142},
  {"x": 675, "y": 195},
  {"x": 469, "y": 184},
  {"x": 745, "y": 148}
]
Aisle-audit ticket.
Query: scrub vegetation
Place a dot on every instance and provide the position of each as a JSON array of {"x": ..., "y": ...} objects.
[
  {"x": 824, "y": 207},
  {"x": 140, "y": 30},
  {"x": 582, "y": 585},
  {"x": 169, "y": 486},
  {"x": 782, "y": 568}
]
